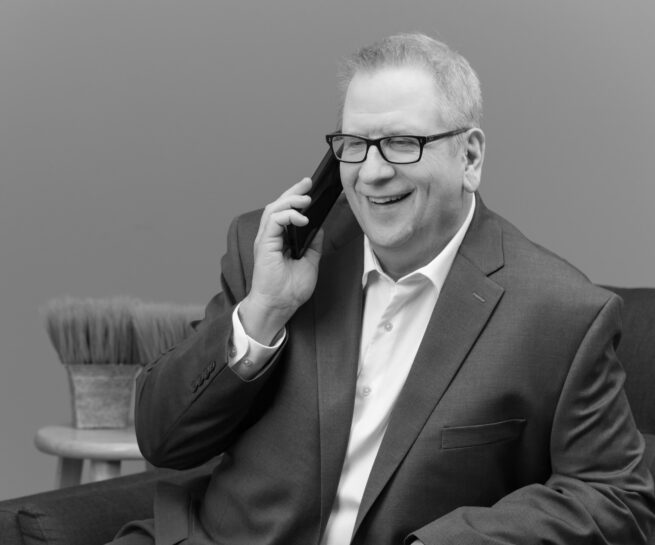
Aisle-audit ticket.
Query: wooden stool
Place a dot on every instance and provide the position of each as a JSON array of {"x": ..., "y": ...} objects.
[{"x": 104, "y": 448}]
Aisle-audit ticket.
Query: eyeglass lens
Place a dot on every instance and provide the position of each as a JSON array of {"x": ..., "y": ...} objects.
[{"x": 396, "y": 149}]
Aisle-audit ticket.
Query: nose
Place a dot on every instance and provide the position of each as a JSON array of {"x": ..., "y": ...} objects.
[{"x": 375, "y": 168}]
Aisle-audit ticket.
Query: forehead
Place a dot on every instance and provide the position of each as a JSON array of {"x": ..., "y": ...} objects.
[{"x": 392, "y": 99}]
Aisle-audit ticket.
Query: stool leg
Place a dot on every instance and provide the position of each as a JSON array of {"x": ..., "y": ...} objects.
[
  {"x": 104, "y": 469},
  {"x": 69, "y": 471}
]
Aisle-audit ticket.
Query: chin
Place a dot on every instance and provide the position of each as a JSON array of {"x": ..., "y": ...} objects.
[{"x": 389, "y": 242}]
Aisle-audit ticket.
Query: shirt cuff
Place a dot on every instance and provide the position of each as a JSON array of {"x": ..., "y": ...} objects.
[{"x": 246, "y": 357}]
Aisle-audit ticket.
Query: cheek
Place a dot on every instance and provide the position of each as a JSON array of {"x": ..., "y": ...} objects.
[{"x": 348, "y": 177}]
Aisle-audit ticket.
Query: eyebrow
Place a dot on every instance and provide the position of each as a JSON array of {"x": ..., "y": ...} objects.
[{"x": 381, "y": 133}]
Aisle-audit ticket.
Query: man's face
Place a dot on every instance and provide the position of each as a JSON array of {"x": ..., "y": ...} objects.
[{"x": 409, "y": 212}]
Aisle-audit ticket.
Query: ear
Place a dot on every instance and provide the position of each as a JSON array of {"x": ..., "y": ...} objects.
[{"x": 473, "y": 150}]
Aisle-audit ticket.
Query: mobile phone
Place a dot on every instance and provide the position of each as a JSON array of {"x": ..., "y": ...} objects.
[{"x": 326, "y": 188}]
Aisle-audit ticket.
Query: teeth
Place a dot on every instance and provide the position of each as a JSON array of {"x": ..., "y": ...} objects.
[{"x": 386, "y": 200}]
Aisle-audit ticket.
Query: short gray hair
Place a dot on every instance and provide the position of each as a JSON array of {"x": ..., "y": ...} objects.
[{"x": 455, "y": 79}]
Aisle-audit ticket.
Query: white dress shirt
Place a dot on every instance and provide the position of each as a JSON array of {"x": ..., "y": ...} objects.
[{"x": 396, "y": 314}]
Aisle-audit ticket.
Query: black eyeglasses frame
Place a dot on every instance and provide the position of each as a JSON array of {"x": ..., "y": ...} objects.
[{"x": 422, "y": 140}]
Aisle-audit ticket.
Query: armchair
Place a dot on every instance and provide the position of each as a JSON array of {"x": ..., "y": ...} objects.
[{"x": 91, "y": 514}]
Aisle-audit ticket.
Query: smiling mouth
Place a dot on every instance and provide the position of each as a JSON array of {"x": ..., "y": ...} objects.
[{"x": 385, "y": 201}]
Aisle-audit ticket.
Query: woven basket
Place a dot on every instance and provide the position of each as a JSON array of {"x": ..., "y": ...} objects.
[{"x": 101, "y": 394}]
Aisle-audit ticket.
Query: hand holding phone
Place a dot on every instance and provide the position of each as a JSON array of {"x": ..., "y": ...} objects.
[
  {"x": 280, "y": 285},
  {"x": 326, "y": 188}
]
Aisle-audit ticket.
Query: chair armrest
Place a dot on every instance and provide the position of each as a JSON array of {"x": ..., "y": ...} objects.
[
  {"x": 649, "y": 455},
  {"x": 87, "y": 514}
]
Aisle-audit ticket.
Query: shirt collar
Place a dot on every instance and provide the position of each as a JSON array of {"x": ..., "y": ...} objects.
[{"x": 436, "y": 270}]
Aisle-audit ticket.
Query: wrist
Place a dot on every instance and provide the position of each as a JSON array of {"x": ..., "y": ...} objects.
[{"x": 262, "y": 322}]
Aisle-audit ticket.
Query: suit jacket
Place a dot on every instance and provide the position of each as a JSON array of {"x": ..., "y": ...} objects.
[{"x": 512, "y": 426}]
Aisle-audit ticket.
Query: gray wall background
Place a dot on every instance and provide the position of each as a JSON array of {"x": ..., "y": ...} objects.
[{"x": 132, "y": 131}]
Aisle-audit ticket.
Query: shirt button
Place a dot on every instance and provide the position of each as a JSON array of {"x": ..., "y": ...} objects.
[
  {"x": 388, "y": 326},
  {"x": 233, "y": 351},
  {"x": 365, "y": 391},
  {"x": 247, "y": 362}
]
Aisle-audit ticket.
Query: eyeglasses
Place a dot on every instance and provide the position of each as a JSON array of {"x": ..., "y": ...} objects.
[{"x": 400, "y": 149}]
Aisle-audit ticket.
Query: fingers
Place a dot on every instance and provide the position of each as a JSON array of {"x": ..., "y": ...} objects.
[
  {"x": 299, "y": 188},
  {"x": 313, "y": 253},
  {"x": 297, "y": 202},
  {"x": 294, "y": 197},
  {"x": 290, "y": 216},
  {"x": 279, "y": 280},
  {"x": 285, "y": 209}
]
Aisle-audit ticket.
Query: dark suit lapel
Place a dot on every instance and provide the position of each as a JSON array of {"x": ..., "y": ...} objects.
[
  {"x": 465, "y": 304},
  {"x": 338, "y": 316}
]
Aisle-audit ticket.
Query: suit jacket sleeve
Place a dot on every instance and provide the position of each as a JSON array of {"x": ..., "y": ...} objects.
[
  {"x": 600, "y": 490},
  {"x": 190, "y": 406}
]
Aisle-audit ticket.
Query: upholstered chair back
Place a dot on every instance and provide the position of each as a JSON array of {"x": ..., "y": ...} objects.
[{"x": 637, "y": 354}]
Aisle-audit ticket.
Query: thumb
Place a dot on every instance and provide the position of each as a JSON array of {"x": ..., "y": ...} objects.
[{"x": 313, "y": 253}]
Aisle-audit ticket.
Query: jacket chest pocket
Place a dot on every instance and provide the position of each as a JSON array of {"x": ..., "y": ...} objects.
[{"x": 481, "y": 434}]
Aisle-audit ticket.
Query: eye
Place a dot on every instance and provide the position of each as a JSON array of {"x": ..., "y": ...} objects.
[
  {"x": 402, "y": 143},
  {"x": 352, "y": 144}
]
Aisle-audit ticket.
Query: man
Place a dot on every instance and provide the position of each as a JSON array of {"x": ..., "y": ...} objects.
[{"x": 425, "y": 374}]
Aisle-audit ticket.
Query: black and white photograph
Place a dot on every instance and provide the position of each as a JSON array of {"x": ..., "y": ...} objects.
[{"x": 327, "y": 273}]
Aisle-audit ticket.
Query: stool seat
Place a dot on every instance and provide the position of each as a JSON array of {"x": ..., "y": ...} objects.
[
  {"x": 100, "y": 444},
  {"x": 104, "y": 448}
]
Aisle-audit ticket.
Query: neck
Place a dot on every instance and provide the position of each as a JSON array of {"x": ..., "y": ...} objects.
[{"x": 398, "y": 262}]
